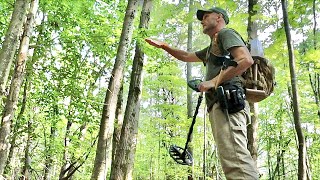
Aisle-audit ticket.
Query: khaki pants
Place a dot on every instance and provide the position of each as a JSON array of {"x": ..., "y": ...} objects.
[{"x": 231, "y": 142}]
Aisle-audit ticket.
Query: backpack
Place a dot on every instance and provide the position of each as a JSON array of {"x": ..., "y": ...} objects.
[{"x": 259, "y": 78}]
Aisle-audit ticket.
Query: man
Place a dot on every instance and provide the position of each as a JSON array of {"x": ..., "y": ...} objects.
[{"x": 230, "y": 134}]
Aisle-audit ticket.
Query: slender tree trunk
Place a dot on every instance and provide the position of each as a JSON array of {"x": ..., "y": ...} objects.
[
  {"x": 123, "y": 166},
  {"x": 252, "y": 29},
  {"x": 11, "y": 41},
  {"x": 66, "y": 158},
  {"x": 189, "y": 76},
  {"x": 48, "y": 153},
  {"x": 189, "y": 65},
  {"x": 302, "y": 168},
  {"x": 314, "y": 24},
  {"x": 27, "y": 158},
  {"x": 315, "y": 84},
  {"x": 108, "y": 114},
  {"x": 254, "y": 108},
  {"x": 252, "y": 132},
  {"x": 269, "y": 144},
  {"x": 12, "y": 100}
]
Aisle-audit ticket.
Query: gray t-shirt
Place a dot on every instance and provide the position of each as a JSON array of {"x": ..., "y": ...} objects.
[{"x": 213, "y": 57}]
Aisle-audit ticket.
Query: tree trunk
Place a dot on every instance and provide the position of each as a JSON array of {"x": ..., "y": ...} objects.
[
  {"x": 302, "y": 168},
  {"x": 108, "y": 114},
  {"x": 123, "y": 166},
  {"x": 315, "y": 84},
  {"x": 11, "y": 42},
  {"x": 118, "y": 127},
  {"x": 314, "y": 24},
  {"x": 48, "y": 153},
  {"x": 189, "y": 65},
  {"x": 16, "y": 128},
  {"x": 189, "y": 90},
  {"x": 12, "y": 100},
  {"x": 252, "y": 129},
  {"x": 66, "y": 158},
  {"x": 27, "y": 158},
  {"x": 252, "y": 132}
]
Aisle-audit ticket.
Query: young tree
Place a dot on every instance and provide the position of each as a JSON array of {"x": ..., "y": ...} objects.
[{"x": 302, "y": 167}]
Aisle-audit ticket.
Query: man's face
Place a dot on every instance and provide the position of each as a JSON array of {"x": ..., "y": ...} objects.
[{"x": 209, "y": 22}]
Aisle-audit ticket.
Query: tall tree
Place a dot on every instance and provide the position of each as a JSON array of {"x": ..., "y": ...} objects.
[
  {"x": 11, "y": 41},
  {"x": 302, "y": 167},
  {"x": 12, "y": 99},
  {"x": 110, "y": 103},
  {"x": 125, "y": 154}
]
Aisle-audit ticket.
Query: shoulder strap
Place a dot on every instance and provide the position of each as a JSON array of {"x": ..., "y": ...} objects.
[
  {"x": 219, "y": 36},
  {"x": 229, "y": 60}
]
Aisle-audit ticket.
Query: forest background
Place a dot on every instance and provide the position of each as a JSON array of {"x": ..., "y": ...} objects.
[{"x": 73, "y": 47}]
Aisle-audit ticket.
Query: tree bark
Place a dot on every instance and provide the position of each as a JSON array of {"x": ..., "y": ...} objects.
[
  {"x": 11, "y": 42},
  {"x": 66, "y": 156},
  {"x": 27, "y": 158},
  {"x": 123, "y": 166},
  {"x": 314, "y": 24},
  {"x": 12, "y": 100},
  {"x": 108, "y": 114},
  {"x": 302, "y": 168},
  {"x": 48, "y": 156},
  {"x": 315, "y": 84},
  {"x": 17, "y": 127},
  {"x": 252, "y": 132},
  {"x": 118, "y": 127}
]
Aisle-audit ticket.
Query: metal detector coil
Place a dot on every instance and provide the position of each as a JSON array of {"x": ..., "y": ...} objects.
[{"x": 180, "y": 155}]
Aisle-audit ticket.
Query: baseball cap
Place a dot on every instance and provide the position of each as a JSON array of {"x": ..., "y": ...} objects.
[{"x": 218, "y": 10}]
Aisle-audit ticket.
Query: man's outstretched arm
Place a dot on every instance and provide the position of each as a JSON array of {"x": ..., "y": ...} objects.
[{"x": 177, "y": 53}]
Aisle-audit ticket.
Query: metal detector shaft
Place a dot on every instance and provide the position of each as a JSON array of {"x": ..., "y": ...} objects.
[
  {"x": 193, "y": 121},
  {"x": 183, "y": 156}
]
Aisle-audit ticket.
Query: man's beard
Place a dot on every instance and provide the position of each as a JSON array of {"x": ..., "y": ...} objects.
[{"x": 207, "y": 29}]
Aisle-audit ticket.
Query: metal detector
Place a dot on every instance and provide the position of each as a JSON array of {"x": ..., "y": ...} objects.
[{"x": 180, "y": 155}]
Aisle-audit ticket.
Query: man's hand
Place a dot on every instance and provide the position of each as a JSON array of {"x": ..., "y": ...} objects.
[
  {"x": 206, "y": 85},
  {"x": 155, "y": 43}
]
